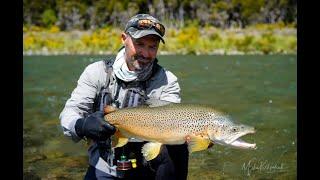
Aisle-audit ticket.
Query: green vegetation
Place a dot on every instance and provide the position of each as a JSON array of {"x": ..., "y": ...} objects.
[
  {"x": 258, "y": 39},
  {"x": 192, "y": 27},
  {"x": 85, "y": 14}
]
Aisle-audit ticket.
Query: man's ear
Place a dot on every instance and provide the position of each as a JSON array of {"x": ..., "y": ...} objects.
[{"x": 124, "y": 36}]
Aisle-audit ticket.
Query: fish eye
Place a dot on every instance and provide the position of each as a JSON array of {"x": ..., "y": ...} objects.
[{"x": 234, "y": 129}]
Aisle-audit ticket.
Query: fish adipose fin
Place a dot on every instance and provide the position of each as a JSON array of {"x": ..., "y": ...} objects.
[
  {"x": 118, "y": 140},
  {"x": 151, "y": 150},
  {"x": 198, "y": 143}
]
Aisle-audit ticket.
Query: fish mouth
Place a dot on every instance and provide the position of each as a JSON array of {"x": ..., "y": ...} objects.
[{"x": 239, "y": 143}]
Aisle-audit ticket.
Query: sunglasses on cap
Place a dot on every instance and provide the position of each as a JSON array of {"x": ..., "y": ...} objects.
[{"x": 143, "y": 24}]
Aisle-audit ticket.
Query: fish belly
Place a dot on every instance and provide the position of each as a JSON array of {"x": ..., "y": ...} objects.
[{"x": 164, "y": 138}]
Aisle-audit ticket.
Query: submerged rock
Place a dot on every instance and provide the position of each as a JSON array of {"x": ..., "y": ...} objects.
[
  {"x": 36, "y": 158},
  {"x": 76, "y": 162},
  {"x": 30, "y": 175}
]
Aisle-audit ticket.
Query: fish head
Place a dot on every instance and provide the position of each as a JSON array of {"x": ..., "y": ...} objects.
[{"x": 229, "y": 133}]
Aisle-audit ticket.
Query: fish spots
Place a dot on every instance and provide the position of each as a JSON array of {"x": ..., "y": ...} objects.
[{"x": 170, "y": 121}]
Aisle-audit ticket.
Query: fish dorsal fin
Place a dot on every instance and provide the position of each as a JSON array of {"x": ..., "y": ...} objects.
[
  {"x": 118, "y": 140},
  {"x": 151, "y": 150},
  {"x": 198, "y": 143},
  {"x": 156, "y": 102},
  {"x": 109, "y": 109}
]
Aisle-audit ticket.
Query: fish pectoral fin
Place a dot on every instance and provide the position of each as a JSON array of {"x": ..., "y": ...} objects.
[
  {"x": 198, "y": 143},
  {"x": 151, "y": 150},
  {"x": 119, "y": 140}
]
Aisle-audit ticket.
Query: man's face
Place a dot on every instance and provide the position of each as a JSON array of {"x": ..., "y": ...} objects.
[{"x": 140, "y": 52}]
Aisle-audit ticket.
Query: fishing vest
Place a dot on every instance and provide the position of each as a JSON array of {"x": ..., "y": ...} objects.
[{"x": 120, "y": 94}]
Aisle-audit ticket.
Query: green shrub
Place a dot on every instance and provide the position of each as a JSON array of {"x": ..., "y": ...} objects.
[
  {"x": 48, "y": 18},
  {"x": 244, "y": 43},
  {"x": 188, "y": 38}
]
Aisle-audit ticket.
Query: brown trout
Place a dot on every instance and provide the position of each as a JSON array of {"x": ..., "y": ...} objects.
[{"x": 198, "y": 125}]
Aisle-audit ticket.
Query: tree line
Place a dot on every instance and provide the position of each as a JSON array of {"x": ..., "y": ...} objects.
[{"x": 93, "y": 14}]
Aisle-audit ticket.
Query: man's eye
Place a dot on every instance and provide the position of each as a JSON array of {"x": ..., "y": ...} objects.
[{"x": 139, "y": 44}]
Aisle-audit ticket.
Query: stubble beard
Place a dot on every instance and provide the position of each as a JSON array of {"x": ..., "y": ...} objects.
[{"x": 140, "y": 63}]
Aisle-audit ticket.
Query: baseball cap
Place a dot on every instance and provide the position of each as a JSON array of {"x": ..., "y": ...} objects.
[{"x": 144, "y": 24}]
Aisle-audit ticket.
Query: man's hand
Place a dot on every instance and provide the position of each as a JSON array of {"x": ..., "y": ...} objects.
[{"x": 95, "y": 127}]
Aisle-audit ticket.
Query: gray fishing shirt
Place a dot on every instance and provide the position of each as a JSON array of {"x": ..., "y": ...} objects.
[{"x": 162, "y": 86}]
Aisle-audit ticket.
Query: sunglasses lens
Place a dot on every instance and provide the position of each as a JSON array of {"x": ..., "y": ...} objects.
[{"x": 147, "y": 24}]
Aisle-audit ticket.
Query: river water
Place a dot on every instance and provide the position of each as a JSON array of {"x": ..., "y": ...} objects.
[{"x": 260, "y": 91}]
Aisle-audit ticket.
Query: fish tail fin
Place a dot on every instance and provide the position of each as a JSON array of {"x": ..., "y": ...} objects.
[
  {"x": 151, "y": 150},
  {"x": 118, "y": 140},
  {"x": 198, "y": 143}
]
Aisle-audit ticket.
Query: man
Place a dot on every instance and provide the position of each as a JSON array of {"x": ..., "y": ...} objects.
[{"x": 129, "y": 80}]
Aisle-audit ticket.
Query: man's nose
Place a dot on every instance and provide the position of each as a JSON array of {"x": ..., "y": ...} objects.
[{"x": 145, "y": 53}]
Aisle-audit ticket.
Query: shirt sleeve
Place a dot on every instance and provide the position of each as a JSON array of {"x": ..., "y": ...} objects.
[
  {"x": 171, "y": 91},
  {"x": 80, "y": 103}
]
